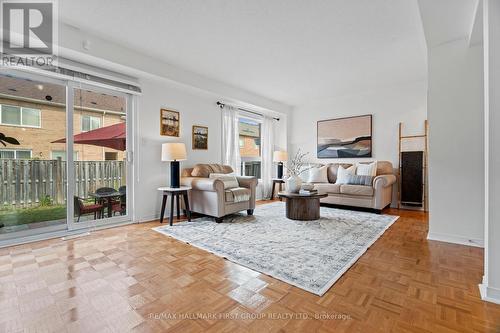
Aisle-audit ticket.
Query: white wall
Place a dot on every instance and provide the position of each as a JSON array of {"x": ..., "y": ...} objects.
[
  {"x": 404, "y": 103},
  {"x": 456, "y": 143},
  {"x": 195, "y": 109},
  {"x": 490, "y": 288}
]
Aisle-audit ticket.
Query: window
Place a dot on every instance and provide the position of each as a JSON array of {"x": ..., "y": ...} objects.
[
  {"x": 110, "y": 156},
  {"x": 18, "y": 154},
  {"x": 250, "y": 150},
  {"x": 62, "y": 154},
  {"x": 90, "y": 123},
  {"x": 30, "y": 117},
  {"x": 20, "y": 116}
]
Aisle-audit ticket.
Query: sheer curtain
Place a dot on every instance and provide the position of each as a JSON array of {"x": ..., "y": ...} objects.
[
  {"x": 267, "y": 142},
  {"x": 231, "y": 139}
]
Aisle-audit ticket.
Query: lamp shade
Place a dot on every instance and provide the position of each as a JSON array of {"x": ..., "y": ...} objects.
[
  {"x": 173, "y": 152},
  {"x": 280, "y": 156}
]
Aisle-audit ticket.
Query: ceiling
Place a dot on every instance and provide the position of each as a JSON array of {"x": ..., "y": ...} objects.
[
  {"x": 291, "y": 51},
  {"x": 447, "y": 20}
]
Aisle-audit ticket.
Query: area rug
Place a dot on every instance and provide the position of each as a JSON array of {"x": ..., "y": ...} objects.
[{"x": 310, "y": 255}]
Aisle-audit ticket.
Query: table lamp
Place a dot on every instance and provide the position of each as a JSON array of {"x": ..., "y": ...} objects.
[
  {"x": 173, "y": 153},
  {"x": 280, "y": 157}
]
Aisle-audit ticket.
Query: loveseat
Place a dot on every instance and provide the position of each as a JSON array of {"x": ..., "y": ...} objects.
[
  {"x": 212, "y": 196},
  {"x": 376, "y": 196}
]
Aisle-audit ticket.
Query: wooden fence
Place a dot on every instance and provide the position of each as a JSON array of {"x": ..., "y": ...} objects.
[{"x": 23, "y": 183}]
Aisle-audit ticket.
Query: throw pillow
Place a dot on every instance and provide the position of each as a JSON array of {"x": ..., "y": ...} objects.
[
  {"x": 359, "y": 180},
  {"x": 318, "y": 175},
  {"x": 230, "y": 181},
  {"x": 343, "y": 174},
  {"x": 364, "y": 169}
]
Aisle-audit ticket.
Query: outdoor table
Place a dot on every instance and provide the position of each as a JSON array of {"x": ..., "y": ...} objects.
[{"x": 109, "y": 196}]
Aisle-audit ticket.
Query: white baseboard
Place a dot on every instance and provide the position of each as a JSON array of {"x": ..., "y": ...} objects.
[
  {"x": 147, "y": 218},
  {"x": 455, "y": 239},
  {"x": 489, "y": 294}
]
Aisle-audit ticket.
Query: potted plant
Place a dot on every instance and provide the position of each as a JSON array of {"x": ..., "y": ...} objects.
[{"x": 295, "y": 167}]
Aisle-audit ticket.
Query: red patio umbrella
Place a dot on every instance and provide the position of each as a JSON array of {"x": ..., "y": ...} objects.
[{"x": 113, "y": 136}]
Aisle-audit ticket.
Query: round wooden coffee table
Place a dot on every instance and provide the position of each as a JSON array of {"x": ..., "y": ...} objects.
[{"x": 302, "y": 207}]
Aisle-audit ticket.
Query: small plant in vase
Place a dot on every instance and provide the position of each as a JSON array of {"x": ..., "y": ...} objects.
[{"x": 295, "y": 167}]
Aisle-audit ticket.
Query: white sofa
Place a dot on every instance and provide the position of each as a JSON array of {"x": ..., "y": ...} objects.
[{"x": 377, "y": 196}]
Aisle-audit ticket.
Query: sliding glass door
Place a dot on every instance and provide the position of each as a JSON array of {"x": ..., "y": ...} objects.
[
  {"x": 99, "y": 134},
  {"x": 64, "y": 156},
  {"x": 32, "y": 180}
]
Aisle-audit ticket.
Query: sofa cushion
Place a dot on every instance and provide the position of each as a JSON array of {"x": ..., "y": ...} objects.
[
  {"x": 230, "y": 181},
  {"x": 366, "y": 169},
  {"x": 356, "y": 190},
  {"x": 333, "y": 169},
  {"x": 204, "y": 170},
  {"x": 327, "y": 188},
  {"x": 318, "y": 175},
  {"x": 238, "y": 194},
  {"x": 343, "y": 174}
]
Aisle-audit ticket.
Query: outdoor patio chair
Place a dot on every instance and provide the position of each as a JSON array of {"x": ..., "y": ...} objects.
[
  {"x": 123, "y": 198},
  {"x": 118, "y": 208},
  {"x": 82, "y": 209}
]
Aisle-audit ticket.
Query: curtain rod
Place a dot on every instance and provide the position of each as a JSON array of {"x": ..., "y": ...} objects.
[{"x": 222, "y": 105}]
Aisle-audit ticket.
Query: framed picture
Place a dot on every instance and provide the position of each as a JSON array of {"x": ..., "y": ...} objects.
[
  {"x": 200, "y": 137},
  {"x": 345, "y": 137},
  {"x": 169, "y": 123}
]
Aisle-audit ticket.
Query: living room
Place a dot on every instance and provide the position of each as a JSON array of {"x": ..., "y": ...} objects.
[{"x": 247, "y": 166}]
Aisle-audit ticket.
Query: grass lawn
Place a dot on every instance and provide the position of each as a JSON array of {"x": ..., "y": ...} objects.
[{"x": 29, "y": 215}]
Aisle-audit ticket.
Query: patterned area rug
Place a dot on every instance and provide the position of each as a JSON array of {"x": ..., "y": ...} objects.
[{"x": 310, "y": 255}]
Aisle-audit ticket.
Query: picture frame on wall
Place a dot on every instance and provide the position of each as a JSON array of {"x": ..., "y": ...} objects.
[
  {"x": 169, "y": 123},
  {"x": 200, "y": 137},
  {"x": 349, "y": 137}
]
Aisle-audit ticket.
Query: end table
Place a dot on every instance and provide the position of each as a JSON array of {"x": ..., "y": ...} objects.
[
  {"x": 278, "y": 181},
  {"x": 175, "y": 192}
]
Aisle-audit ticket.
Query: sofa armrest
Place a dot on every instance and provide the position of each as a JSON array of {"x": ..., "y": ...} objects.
[
  {"x": 203, "y": 184},
  {"x": 250, "y": 183},
  {"x": 247, "y": 181},
  {"x": 382, "y": 181}
]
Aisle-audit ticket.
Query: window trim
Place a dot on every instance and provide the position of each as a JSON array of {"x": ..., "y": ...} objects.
[
  {"x": 21, "y": 108},
  {"x": 18, "y": 150}
]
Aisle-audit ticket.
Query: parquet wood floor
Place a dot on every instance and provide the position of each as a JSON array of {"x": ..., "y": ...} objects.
[{"x": 133, "y": 279}]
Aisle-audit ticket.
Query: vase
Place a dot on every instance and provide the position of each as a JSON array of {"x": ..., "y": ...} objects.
[{"x": 293, "y": 184}]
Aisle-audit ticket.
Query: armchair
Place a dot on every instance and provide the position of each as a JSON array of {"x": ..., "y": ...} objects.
[{"x": 209, "y": 197}]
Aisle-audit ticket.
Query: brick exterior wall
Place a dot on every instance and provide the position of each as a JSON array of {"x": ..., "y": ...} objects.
[
  {"x": 249, "y": 148},
  {"x": 53, "y": 127}
]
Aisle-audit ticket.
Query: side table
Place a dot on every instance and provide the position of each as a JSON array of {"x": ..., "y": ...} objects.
[
  {"x": 278, "y": 181},
  {"x": 175, "y": 193}
]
